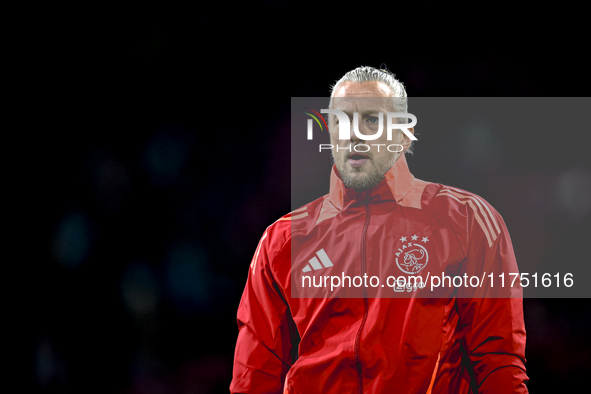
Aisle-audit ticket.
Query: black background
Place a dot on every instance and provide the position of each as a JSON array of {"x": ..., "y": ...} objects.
[{"x": 144, "y": 227}]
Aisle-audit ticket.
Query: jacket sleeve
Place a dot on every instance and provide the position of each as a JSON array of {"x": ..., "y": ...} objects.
[
  {"x": 263, "y": 349},
  {"x": 491, "y": 315}
]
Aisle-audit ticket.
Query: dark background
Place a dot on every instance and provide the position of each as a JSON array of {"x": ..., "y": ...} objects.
[{"x": 147, "y": 226}]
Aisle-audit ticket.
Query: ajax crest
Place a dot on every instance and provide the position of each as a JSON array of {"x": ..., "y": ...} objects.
[{"x": 412, "y": 256}]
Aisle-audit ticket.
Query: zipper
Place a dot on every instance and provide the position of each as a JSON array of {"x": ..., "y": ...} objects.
[{"x": 365, "y": 301}]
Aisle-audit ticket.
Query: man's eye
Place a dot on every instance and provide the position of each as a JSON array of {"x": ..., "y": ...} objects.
[{"x": 373, "y": 119}]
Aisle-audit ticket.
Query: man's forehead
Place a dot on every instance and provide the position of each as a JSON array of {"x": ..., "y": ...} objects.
[
  {"x": 363, "y": 89},
  {"x": 362, "y": 96},
  {"x": 360, "y": 104}
]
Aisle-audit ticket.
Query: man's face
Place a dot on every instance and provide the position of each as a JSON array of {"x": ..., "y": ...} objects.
[{"x": 363, "y": 170}]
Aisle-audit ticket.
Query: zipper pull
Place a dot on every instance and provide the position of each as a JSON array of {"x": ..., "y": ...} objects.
[{"x": 367, "y": 197}]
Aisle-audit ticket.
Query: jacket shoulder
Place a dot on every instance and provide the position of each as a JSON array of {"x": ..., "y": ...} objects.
[
  {"x": 272, "y": 245},
  {"x": 300, "y": 218},
  {"x": 466, "y": 212},
  {"x": 456, "y": 200}
]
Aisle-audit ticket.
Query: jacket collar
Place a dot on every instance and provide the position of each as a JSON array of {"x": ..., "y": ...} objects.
[{"x": 397, "y": 184}]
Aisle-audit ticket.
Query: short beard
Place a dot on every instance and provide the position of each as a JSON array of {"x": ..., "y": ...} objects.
[{"x": 371, "y": 180}]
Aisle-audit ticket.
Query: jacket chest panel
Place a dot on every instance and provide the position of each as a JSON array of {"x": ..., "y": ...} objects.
[{"x": 373, "y": 252}]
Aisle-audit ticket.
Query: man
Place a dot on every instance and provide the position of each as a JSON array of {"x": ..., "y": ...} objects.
[{"x": 378, "y": 219}]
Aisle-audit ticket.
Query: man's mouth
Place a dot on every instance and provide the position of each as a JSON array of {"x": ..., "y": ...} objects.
[{"x": 356, "y": 160}]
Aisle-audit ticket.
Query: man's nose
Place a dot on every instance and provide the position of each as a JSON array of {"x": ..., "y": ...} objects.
[{"x": 353, "y": 136}]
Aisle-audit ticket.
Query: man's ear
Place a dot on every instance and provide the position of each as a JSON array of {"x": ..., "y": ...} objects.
[{"x": 406, "y": 142}]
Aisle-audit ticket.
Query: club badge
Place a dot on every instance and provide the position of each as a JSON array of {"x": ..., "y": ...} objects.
[{"x": 412, "y": 256}]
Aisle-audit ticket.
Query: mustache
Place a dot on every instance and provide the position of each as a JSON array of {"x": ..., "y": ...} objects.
[{"x": 361, "y": 151}]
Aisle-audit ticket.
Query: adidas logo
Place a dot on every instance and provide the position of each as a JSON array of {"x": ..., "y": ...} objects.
[{"x": 316, "y": 264}]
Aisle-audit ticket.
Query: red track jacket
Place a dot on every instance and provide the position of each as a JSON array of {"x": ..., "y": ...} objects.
[{"x": 456, "y": 342}]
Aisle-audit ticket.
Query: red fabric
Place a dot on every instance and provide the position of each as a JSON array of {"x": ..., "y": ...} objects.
[{"x": 457, "y": 342}]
